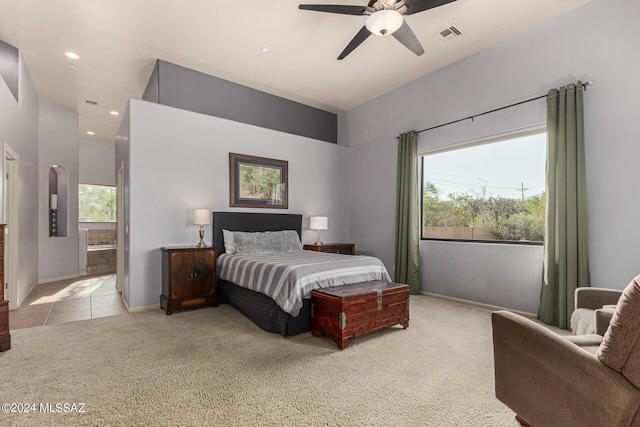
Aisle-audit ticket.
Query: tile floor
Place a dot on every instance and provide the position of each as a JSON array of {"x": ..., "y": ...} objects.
[{"x": 67, "y": 301}]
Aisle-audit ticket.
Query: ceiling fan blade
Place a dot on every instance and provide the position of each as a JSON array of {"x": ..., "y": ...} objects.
[
  {"x": 355, "y": 42},
  {"x": 405, "y": 35},
  {"x": 415, "y": 6},
  {"x": 334, "y": 8}
]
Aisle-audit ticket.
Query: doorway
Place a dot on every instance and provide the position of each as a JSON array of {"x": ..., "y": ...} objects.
[
  {"x": 120, "y": 231},
  {"x": 10, "y": 215}
]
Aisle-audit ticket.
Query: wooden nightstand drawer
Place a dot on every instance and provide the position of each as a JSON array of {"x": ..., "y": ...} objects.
[
  {"x": 4, "y": 316},
  {"x": 335, "y": 248},
  {"x": 5, "y": 336}
]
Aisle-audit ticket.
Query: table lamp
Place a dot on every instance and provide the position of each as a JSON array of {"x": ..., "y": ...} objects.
[
  {"x": 202, "y": 217},
  {"x": 318, "y": 223}
]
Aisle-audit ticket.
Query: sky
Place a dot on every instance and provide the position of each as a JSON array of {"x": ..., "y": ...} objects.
[{"x": 505, "y": 167}]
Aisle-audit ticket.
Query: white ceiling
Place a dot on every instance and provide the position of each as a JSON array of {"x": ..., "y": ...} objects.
[{"x": 119, "y": 40}]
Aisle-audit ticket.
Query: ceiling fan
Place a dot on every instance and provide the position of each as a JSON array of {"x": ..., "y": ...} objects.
[{"x": 384, "y": 17}]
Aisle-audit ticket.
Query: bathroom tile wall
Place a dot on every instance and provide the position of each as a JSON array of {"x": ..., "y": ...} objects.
[{"x": 101, "y": 237}]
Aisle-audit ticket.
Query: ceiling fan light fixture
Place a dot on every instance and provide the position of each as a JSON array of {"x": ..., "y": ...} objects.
[{"x": 384, "y": 22}]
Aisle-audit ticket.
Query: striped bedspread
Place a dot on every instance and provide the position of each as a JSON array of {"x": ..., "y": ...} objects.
[{"x": 289, "y": 277}]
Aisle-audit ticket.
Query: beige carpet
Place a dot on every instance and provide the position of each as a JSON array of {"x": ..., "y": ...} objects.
[{"x": 212, "y": 366}]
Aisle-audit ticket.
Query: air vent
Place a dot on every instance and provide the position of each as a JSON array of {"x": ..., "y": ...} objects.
[
  {"x": 90, "y": 102},
  {"x": 451, "y": 32}
]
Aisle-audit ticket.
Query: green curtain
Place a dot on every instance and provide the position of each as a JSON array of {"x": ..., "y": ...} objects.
[
  {"x": 566, "y": 261},
  {"x": 407, "y": 258}
]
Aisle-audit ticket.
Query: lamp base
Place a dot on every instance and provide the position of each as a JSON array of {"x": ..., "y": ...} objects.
[
  {"x": 318, "y": 243},
  {"x": 201, "y": 244}
]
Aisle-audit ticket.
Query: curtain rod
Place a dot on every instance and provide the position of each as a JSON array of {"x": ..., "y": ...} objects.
[{"x": 584, "y": 85}]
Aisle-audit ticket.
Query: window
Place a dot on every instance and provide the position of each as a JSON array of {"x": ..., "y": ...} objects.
[
  {"x": 490, "y": 190},
  {"x": 96, "y": 203}
]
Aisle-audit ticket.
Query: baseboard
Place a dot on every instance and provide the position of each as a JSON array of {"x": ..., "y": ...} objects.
[
  {"x": 140, "y": 308},
  {"x": 488, "y": 307},
  {"x": 55, "y": 279},
  {"x": 25, "y": 296}
]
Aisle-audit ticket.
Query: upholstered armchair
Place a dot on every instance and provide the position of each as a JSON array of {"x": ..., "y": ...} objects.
[
  {"x": 553, "y": 380},
  {"x": 594, "y": 308}
]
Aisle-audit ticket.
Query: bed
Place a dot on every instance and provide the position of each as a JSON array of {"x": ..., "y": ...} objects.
[{"x": 290, "y": 314}]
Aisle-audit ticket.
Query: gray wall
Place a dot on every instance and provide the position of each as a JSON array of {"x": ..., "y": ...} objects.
[
  {"x": 19, "y": 129},
  {"x": 596, "y": 41},
  {"x": 178, "y": 161},
  {"x": 97, "y": 162},
  {"x": 9, "y": 68},
  {"x": 58, "y": 145},
  {"x": 191, "y": 90},
  {"x": 123, "y": 160}
]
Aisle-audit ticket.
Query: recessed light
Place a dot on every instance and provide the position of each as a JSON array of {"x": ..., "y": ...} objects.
[
  {"x": 72, "y": 55},
  {"x": 114, "y": 113},
  {"x": 90, "y": 132},
  {"x": 265, "y": 49}
]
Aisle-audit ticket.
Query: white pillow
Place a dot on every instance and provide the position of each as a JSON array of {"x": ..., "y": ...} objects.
[
  {"x": 229, "y": 246},
  {"x": 266, "y": 242}
]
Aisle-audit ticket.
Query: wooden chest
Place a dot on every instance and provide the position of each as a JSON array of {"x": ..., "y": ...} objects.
[{"x": 349, "y": 311}]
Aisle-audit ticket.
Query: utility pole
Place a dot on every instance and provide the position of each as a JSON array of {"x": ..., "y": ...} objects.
[{"x": 522, "y": 190}]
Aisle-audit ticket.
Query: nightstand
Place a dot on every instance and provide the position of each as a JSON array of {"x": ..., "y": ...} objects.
[
  {"x": 334, "y": 248},
  {"x": 188, "y": 277}
]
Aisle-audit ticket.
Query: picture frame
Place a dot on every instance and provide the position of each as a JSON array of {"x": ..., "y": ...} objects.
[{"x": 258, "y": 182}]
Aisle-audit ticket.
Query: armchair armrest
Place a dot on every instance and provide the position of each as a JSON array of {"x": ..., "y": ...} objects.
[
  {"x": 594, "y": 298},
  {"x": 550, "y": 381},
  {"x": 603, "y": 318}
]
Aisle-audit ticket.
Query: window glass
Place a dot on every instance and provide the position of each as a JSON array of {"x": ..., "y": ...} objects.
[
  {"x": 490, "y": 190},
  {"x": 96, "y": 203}
]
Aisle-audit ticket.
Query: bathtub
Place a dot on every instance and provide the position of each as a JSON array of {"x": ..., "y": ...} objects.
[{"x": 101, "y": 259}]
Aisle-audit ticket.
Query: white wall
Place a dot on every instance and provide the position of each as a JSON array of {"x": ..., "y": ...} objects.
[
  {"x": 596, "y": 41},
  {"x": 179, "y": 161},
  {"x": 19, "y": 129},
  {"x": 58, "y": 145}
]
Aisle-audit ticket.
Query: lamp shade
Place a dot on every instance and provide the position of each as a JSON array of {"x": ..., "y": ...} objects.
[
  {"x": 384, "y": 22},
  {"x": 318, "y": 223},
  {"x": 202, "y": 217}
]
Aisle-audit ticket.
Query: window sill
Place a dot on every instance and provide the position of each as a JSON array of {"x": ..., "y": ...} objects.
[{"x": 493, "y": 242}]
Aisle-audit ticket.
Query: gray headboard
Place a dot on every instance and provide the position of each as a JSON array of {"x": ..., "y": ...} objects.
[{"x": 249, "y": 221}]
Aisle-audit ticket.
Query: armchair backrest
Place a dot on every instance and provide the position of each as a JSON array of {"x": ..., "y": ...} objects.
[
  {"x": 620, "y": 348},
  {"x": 594, "y": 298}
]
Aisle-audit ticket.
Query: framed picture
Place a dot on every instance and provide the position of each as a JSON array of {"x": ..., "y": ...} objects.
[{"x": 258, "y": 182}]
